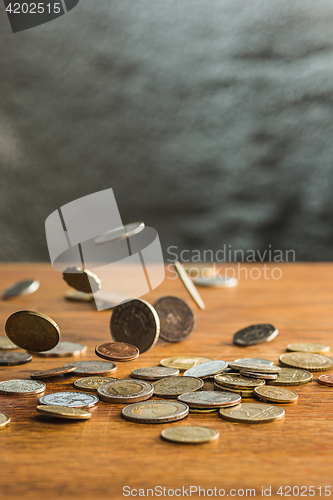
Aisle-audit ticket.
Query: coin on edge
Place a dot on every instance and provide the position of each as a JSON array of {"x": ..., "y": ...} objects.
[
  {"x": 236, "y": 381},
  {"x": 177, "y": 319},
  {"x": 53, "y": 372},
  {"x": 14, "y": 358},
  {"x": 276, "y": 394},
  {"x": 209, "y": 399},
  {"x": 215, "y": 281},
  {"x": 291, "y": 376},
  {"x": 255, "y": 334},
  {"x": 183, "y": 363},
  {"x": 21, "y": 387},
  {"x": 308, "y": 347},
  {"x": 125, "y": 391},
  {"x": 76, "y": 296},
  {"x": 63, "y": 349},
  {"x": 154, "y": 372},
  {"x": 307, "y": 361},
  {"x": 121, "y": 233},
  {"x": 81, "y": 279},
  {"x": 25, "y": 287},
  {"x": 91, "y": 384},
  {"x": 190, "y": 434},
  {"x": 4, "y": 420},
  {"x": 117, "y": 351},
  {"x": 252, "y": 413},
  {"x": 155, "y": 412},
  {"x": 7, "y": 345},
  {"x": 208, "y": 369},
  {"x": 93, "y": 367},
  {"x": 171, "y": 387},
  {"x": 325, "y": 380},
  {"x": 63, "y": 412},
  {"x": 69, "y": 398}
]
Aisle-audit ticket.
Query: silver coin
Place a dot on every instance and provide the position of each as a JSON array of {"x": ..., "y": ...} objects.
[
  {"x": 255, "y": 360},
  {"x": 210, "y": 399},
  {"x": 21, "y": 387},
  {"x": 125, "y": 391},
  {"x": 155, "y": 412},
  {"x": 265, "y": 376},
  {"x": 154, "y": 372},
  {"x": 63, "y": 349},
  {"x": 120, "y": 234},
  {"x": 254, "y": 367},
  {"x": 14, "y": 358},
  {"x": 93, "y": 367},
  {"x": 70, "y": 399},
  {"x": 254, "y": 334},
  {"x": 205, "y": 370},
  {"x": 25, "y": 287},
  {"x": 7, "y": 345},
  {"x": 216, "y": 281}
]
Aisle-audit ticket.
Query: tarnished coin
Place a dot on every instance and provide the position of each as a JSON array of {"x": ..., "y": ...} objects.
[
  {"x": 117, "y": 351},
  {"x": 216, "y": 281},
  {"x": 14, "y": 358},
  {"x": 4, "y": 420},
  {"x": 53, "y": 372},
  {"x": 308, "y": 347},
  {"x": 125, "y": 391},
  {"x": 307, "y": 360},
  {"x": 154, "y": 372},
  {"x": 21, "y": 387},
  {"x": 93, "y": 367},
  {"x": 63, "y": 412},
  {"x": 252, "y": 413},
  {"x": 177, "y": 319},
  {"x": 291, "y": 376},
  {"x": 81, "y": 279},
  {"x": 171, "y": 387},
  {"x": 64, "y": 349},
  {"x": 245, "y": 393},
  {"x": 6, "y": 344},
  {"x": 155, "y": 412},
  {"x": 32, "y": 331},
  {"x": 236, "y": 381},
  {"x": 25, "y": 287},
  {"x": 264, "y": 376},
  {"x": 256, "y": 361},
  {"x": 325, "y": 380},
  {"x": 276, "y": 394},
  {"x": 120, "y": 234},
  {"x": 71, "y": 399},
  {"x": 208, "y": 369},
  {"x": 77, "y": 296},
  {"x": 91, "y": 384},
  {"x": 190, "y": 434},
  {"x": 183, "y": 363},
  {"x": 209, "y": 399},
  {"x": 135, "y": 322},
  {"x": 254, "y": 367},
  {"x": 255, "y": 334}
]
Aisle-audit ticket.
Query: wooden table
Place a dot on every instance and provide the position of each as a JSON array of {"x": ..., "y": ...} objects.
[{"x": 95, "y": 459}]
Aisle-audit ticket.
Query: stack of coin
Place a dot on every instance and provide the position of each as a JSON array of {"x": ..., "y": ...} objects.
[
  {"x": 209, "y": 401},
  {"x": 255, "y": 370},
  {"x": 234, "y": 382}
]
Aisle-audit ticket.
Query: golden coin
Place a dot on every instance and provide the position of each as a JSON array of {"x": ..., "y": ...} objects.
[
  {"x": 64, "y": 349},
  {"x": 307, "y": 361},
  {"x": 53, "y": 372},
  {"x": 183, "y": 363},
  {"x": 308, "y": 347},
  {"x": 291, "y": 376},
  {"x": 245, "y": 393},
  {"x": 171, "y": 387},
  {"x": 189, "y": 285},
  {"x": 190, "y": 434},
  {"x": 91, "y": 383},
  {"x": 201, "y": 410},
  {"x": 209, "y": 399},
  {"x": 155, "y": 412},
  {"x": 64, "y": 412},
  {"x": 236, "y": 381},
  {"x": 21, "y": 387},
  {"x": 125, "y": 391},
  {"x": 4, "y": 420},
  {"x": 82, "y": 279},
  {"x": 77, "y": 296},
  {"x": 6, "y": 344},
  {"x": 276, "y": 394},
  {"x": 32, "y": 331},
  {"x": 252, "y": 413}
]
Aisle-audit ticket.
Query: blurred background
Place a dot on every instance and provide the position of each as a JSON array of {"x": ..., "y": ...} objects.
[{"x": 211, "y": 121}]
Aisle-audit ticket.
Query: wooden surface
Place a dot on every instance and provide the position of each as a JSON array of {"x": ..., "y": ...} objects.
[{"x": 95, "y": 459}]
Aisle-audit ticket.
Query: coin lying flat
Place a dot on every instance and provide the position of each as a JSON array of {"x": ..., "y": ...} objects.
[
  {"x": 125, "y": 391},
  {"x": 53, "y": 372},
  {"x": 154, "y": 372},
  {"x": 183, "y": 363},
  {"x": 199, "y": 411},
  {"x": 4, "y": 420},
  {"x": 171, "y": 387},
  {"x": 236, "y": 381},
  {"x": 254, "y": 367},
  {"x": 21, "y": 387},
  {"x": 25, "y": 287},
  {"x": 215, "y": 281},
  {"x": 117, "y": 351},
  {"x": 77, "y": 296},
  {"x": 307, "y": 360},
  {"x": 70, "y": 399},
  {"x": 291, "y": 376},
  {"x": 189, "y": 285},
  {"x": 252, "y": 413},
  {"x": 6, "y": 344},
  {"x": 190, "y": 434},
  {"x": 176, "y": 318},
  {"x": 308, "y": 347},
  {"x": 14, "y": 358},
  {"x": 255, "y": 334},
  {"x": 32, "y": 331},
  {"x": 93, "y": 367},
  {"x": 256, "y": 361},
  {"x": 209, "y": 399},
  {"x": 137, "y": 323},
  {"x": 122, "y": 233},
  {"x": 91, "y": 384},
  {"x": 63, "y": 412},
  {"x": 81, "y": 279},
  {"x": 275, "y": 394},
  {"x": 245, "y": 393},
  {"x": 264, "y": 376},
  {"x": 64, "y": 349},
  {"x": 208, "y": 369},
  {"x": 155, "y": 412},
  {"x": 325, "y": 380}
]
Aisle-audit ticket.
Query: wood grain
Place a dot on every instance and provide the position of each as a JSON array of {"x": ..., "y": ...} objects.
[{"x": 42, "y": 458}]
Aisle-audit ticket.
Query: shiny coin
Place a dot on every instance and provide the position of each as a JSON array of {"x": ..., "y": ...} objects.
[
  {"x": 91, "y": 384},
  {"x": 64, "y": 349},
  {"x": 117, "y": 351},
  {"x": 276, "y": 394},
  {"x": 325, "y": 380},
  {"x": 307, "y": 360},
  {"x": 6, "y": 344},
  {"x": 77, "y": 296},
  {"x": 245, "y": 393},
  {"x": 4, "y": 420},
  {"x": 81, "y": 279},
  {"x": 202, "y": 410},
  {"x": 137, "y": 323},
  {"x": 176, "y": 317},
  {"x": 255, "y": 334},
  {"x": 216, "y": 281},
  {"x": 25, "y": 287},
  {"x": 171, "y": 387},
  {"x": 155, "y": 412},
  {"x": 32, "y": 331},
  {"x": 209, "y": 399},
  {"x": 53, "y": 372},
  {"x": 205, "y": 370},
  {"x": 236, "y": 381},
  {"x": 63, "y": 412},
  {"x": 308, "y": 347},
  {"x": 183, "y": 363},
  {"x": 291, "y": 376},
  {"x": 71, "y": 399},
  {"x": 93, "y": 367},
  {"x": 120, "y": 234},
  {"x": 252, "y": 413},
  {"x": 189, "y": 285},
  {"x": 256, "y": 361},
  {"x": 154, "y": 372},
  {"x": 125, "y": 391},
  {"x": 21, "y": 387},
  {"x": 14, "y": 358},
  {"x": 254, "y": 367},
  {"x": 190, "y": 434},
  {"x": 264, "y": 376}
]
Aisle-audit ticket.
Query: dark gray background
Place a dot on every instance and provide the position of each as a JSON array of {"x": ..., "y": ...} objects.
[{"x": 211, "y": 120}]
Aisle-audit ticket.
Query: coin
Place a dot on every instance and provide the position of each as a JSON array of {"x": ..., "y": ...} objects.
[
  {"x": 6, "y": 344},
  {"x": 21, "y": 387},
  {"x": 63, "y": 412},
  {"x": 189, "y": 285},
  {"x": 117, "y": 351},
  {"x": 245, "y": 393},
  {"x": 201, "y": 410},
  {"x": 216, "y": 281},
  {"x": 154, "y": 372},
  {"x": 137, "y": 323},
  {"x": 120, "y": 234},
  {"x": 276, "y": 394},
  {"x": 81, "y": 279},
  {"x": 255, "y": 334},
  {"x": 93, "y": 367},
  {"x": 291, "y": 376},
  {"x": 32, "y": 331},
  {"x": 25, "y": 287},
  {"x": 190, "y": 434},
  {"x": 308, "y": 347},
  {"x": 155, "y": 412},
  {"x": 307, "y": 360},
  {"x": 68, "y": 398},
  {"x": 252, "y": 413},
  {"x": 77, "y": 296},
  {"x": 256, "y": 360},
  {"x": 177, "y": 319},
  {"x": 125, "y": 391},
  {"x": 236, "y": 381},
  {"x": 183, "y": 363},
  {"x": 209, "y": 399},
  {"x": 171, "y": 387},
  {"x": 254, "y": 367},
  {"x": 53, "y": 372},
  {"x": 264, "y": 376},
  {"x": 91, "y": 383},
  {"x": 14, "y": 358},
  {"x": 205, "y": 370},
  {"x": 325, "y": 380},
  {"x": 4, "y": 420},
  {"x": 63, "y": 349}
]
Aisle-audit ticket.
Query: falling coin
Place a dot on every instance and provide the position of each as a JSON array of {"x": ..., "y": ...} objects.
[
  {"x": 189, "y": 285},
  {"x": 125, "y": 391},
  {"x": 93, "y": 367},
  {"x": 307, "y": 361},
  {"x": 21, "y": 387},
  {"x": 276, "y": 394},
  {"x": 255, "y": 334},
  {"x": 325, "y": 380},
  {"x": 209, "y": 399},
  {"x": 4, "y": 420},
  {"x": 308, "y": 347},
  {"x": 155, "y": 412},
  {"x": 63, "y": 349},
  {"x": 14, "y": 358},
  {"x": 77, "y": 296},
  {"x": 190, "y": 434},
  {"x": 176, "y": 318},
  {"x": 216, "y": 281},
  {"x": 25, "y": 287},
  {"x": 117, "y": 351},
  {"x": 171, "y": 387},
  {"x": 53, "y": 372},
  {"x": 6, "y": 344},
  {"x": 63, "y": 412},
  {"x": 291, "y": 376},
  {"x": 120, "y": 234},
  {"x": 71, "y": 399},
  {"x": 91, "y": 384},
  {"x": 183, "y": 363},
  {"x": 154, "y": 372},
  {"x": 208, "y": 369},
  {"x": 82, "y": 279}
]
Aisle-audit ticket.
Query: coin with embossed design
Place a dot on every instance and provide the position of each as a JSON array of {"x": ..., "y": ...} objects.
[
  {"x": 117, "y": 351},
  {"x": 91, "y": 384},
  {"x": 53, "y": 372},
  {"x": 81, "y": 279},
  {"x": 307, "y": 361},
  {"x": 93, "y": 367},
  {"x": 308, "y": 347},
  {"x": 183, "y": 363},
  {"x": 255, "y": 334},
  {"x": 69, "y": 398},
  {"x": 125, "y": 391},
  {"x": 171, "y": 387},
  {"x": 14, "y": 358},
  {"x": 254, "y": 367},
  {"x": 4, "y": 420},
  {"x": 291, "y": 376},
  {"x": 209, "y": 399},
  {"x": 155, "y": 412},
  {"x": 190, "y": 434},
  {"x": 208, "y": 369},
  {"x": 154, "y": 372},
  {"x": 252, "y": 413},
  {"x": 64, "y": 412},
  {"x": 21, "y": 387},
  {"x": 276, "y": 394},
  {"x": 236, "y": 381},
  {"x": 63, "y": 349},
  {"x": 176, "y": 317},
  {"x": 325, "y": 380},
  {"x": 6, "y": 344}
]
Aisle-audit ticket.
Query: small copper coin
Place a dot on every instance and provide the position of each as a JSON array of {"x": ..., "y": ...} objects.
[
  {"x": 82, "y": 279},
  {"x": 117, "y": 351},
  {"x": 176, "y": 317},
  {"x": 14, "y": 358},
  {"x": 93, "y": 367},
  {"x": 325, "y": 380},
  {"x": 53, "y": 372}
]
